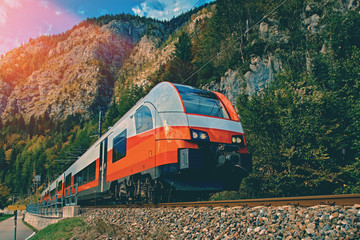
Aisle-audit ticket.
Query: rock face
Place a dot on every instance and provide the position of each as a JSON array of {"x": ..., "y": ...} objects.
[
  {"x": 261, "y": 73},
  {"x": 262, "y": 68},
  {"x": 285, "y": 222},
  {"x": 5, "y": 91},
  {"x": 77, "y": 72}
]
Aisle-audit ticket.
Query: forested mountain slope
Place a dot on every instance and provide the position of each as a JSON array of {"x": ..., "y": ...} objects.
[{"x": 294, "y": 78}]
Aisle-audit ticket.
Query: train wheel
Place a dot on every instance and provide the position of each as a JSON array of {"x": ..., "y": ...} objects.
[
  {"x": 151, "y": 191},
  {"x": 130, "y": 190},
  {"x": 146, "y": 189},
  {"x": 162, "y": 192},
  {"x": 122, "y": 193}
]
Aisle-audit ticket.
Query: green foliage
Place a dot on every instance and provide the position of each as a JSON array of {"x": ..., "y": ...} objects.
[
  {"x": 2, "y": 164},
  {"x": 342, "y": 31},
  {"x": 35, "y": 149},
  {"x": 296, "y": 131},
  {"x": 4, "y": 196},
  {"x": 229, "y": 195},
  {"x": 177, "y": 71},
  {"x": 303, "y": 130},
  {"x": 352, "y": 175},
  {"x": 183, "y": 48},
  {"x": 128, "y": 98},
  {"x": 62, "y": 230},
  {"x": 5, "y": 216}
]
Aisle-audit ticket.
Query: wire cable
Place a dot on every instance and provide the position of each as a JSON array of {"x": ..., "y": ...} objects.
[
  {"x": 201, "y": 28},
  {"x": 195, "y": 5}
]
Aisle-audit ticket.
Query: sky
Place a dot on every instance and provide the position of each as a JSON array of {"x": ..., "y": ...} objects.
[{"x": 21, "y": 20}]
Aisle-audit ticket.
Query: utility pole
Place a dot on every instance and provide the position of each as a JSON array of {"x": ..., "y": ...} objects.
[
  {"x": 100, "y": 124},
  {"x": 15, "y": 222}
]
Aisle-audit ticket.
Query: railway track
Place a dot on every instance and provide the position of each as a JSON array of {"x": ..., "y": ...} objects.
[{"x": 345, "y": 199}]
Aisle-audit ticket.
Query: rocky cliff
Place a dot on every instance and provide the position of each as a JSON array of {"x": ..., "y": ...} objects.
[
  {"x": 263, "y": 68},
  {"x": 77, "y": 71}
]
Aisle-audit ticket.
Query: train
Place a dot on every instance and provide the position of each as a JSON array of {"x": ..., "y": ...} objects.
[{"x": 176, "y": 141}]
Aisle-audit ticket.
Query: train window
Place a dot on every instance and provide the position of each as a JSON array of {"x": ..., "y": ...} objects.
[
  {"x": 101, "y": 153},
  {"x": 52, "y": 193},
  {"x": 86, "y": 175},
  {"x": 165, "y": 98},
  {"x": 201, "y": 102},
  {"x": 105, "y": 149},
  {"x": 59, "y": 186},
  {"x": 119, "y": 146},
  {"x": 92, "y": 170},
  {"x": 68, "y": 180},
  {"x": 143, "y": 120},
  {"x": 79, "y": 178}
]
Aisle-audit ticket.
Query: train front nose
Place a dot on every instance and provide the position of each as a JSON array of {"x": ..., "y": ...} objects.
[
  {"x": 227, "y": 155},
  {"x": 218, "y": 162},
  {"x": 231, "y": 166}
]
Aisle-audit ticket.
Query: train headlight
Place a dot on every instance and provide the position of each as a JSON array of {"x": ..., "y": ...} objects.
[
  {"x": 199, "y": 135},
  {"x": 239, "y": 139}
]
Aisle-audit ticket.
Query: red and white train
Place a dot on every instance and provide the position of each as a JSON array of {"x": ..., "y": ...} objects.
[{"x": 177, "y": 139}]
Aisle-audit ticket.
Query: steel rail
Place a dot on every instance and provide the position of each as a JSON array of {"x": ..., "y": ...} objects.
[{"x": 306, "y": 201}]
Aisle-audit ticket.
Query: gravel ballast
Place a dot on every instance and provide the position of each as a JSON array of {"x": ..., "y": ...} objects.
[{"x": 286, "y": 222}]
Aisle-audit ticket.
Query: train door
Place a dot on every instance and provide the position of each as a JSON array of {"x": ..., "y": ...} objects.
[
  {"x": 145, "y": 131},
  {"x": 102, "y": 163}
]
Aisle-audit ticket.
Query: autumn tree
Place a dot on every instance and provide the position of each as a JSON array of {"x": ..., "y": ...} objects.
[{"x": 4, "y": 196}]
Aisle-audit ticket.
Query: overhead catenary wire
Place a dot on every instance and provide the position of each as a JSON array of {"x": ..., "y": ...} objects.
[
  {"x": 195, "y": 5},
  {"x": 233, "y": 42},
  {"x": 194, "y": 33}
]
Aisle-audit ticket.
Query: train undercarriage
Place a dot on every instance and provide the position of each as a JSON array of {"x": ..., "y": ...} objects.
[{"x": 198, "y": 173}]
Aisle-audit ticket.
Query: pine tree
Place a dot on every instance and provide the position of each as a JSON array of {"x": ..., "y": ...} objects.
[
  {"x": 2, "y": 163},
  {"x": 183, "y": 48},
  {"x": 32, "y": 127}
]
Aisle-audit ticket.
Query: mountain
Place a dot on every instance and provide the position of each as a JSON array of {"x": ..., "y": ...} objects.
[
  {"x": 70, "y": 73},
  {"x": 290, "y": 68}
]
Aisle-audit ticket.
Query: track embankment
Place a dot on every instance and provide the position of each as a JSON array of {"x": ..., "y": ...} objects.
[{"x": 242, "y": 221}]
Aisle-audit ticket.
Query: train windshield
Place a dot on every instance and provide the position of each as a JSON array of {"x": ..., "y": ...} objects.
[{"x": 201, "y": 102}]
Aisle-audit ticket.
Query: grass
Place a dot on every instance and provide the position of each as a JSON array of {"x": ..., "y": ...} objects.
[
  {"x": 5, "y": 216},
  {"x": 61, "y": 230}
]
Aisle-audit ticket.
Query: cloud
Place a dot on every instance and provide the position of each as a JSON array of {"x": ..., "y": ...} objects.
[
  {"x": 163, "y": 9},
  {"x": 3, "y": 15},
  {"x": 81, "y": 11},
  {"x": 49, "y": 29},
  {"x": 4, "y": 8},
  {"x": 24, "y": 19},
  {"x": 12, "y": 3},
  {"x": 44, "y": 3}
]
